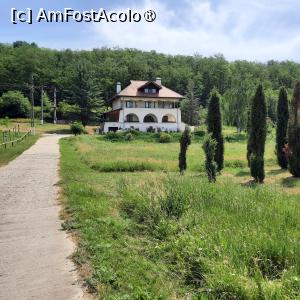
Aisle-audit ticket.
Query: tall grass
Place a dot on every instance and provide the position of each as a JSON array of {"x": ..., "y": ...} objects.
[
  {"x": 158, "y": 235},
  {"x": 222, "y": 241}
]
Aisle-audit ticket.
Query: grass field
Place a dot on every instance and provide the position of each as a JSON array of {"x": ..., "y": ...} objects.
[
  {"x": 40, "y": 129},
  {"x": 157, "y": 235},
  {"x": 10, "y": 153}
]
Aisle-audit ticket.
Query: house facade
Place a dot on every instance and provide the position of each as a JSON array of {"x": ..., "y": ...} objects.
[{"x": 144, "y": 105}]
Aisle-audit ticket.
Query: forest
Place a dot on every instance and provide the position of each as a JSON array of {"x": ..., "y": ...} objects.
[{"x": 85, "y": 80}]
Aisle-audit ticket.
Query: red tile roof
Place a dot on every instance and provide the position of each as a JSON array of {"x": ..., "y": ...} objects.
[{"x": 132, "y": 90}]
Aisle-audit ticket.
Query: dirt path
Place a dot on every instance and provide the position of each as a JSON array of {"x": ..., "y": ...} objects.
[{"x": 33, "y": 249}]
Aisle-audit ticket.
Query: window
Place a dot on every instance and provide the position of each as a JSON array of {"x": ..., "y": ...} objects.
[
  {"x": 150, "y": 119},
  {"x": 129, "y": 104},
  {"x": 150, "y": 91},
  {"x": 148, "y": 104},
  {"x": 132, "y": 118},
  {"x": 173, "y": 105},
  {"x": 161, "y": 104}
]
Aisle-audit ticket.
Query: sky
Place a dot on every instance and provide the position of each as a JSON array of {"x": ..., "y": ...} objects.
[{"x": 255, "y": 30}]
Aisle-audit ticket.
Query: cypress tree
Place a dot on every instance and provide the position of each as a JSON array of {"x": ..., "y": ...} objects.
[
  {"x": 282, "y": 124},
  {"x": 209, "y": 146},
  {"x": 214, "y": 126},
  {"x": 185, "y": 141},
  {"x": 294, "y": 133},
  {"x": 257, "y": 135}
]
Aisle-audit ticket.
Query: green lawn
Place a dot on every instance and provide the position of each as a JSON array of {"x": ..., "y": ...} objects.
[
  {"x": 40, "y": 129},
  {"x": 10, "y": 153},
  {"x": 157, "y": 235},
  {"x": 6, "y": 155}
]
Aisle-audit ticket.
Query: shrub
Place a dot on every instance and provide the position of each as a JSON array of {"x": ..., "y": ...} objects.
[
  {"x": 199, "y": 133},
  {"x": 164, "y": 138},
  {"x": 129, "y": 137},
  {"x": 209, "y": 147},
  {"x": 235, "y": 137},
  {"x": 4, "y": 122},
  {"x": 113, "y": 136},
  {"x": 238, "y": 164},
  {"x": 150, "y": 129},
  {"x": 77, "y": 128},
  {"x": 13, "y": 104},
  {"x": 134, "y": 131},
  {"x": 185, "y": 141}
]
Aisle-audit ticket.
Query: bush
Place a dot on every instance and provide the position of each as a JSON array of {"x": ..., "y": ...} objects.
[
  {"x": 150, "y": 129},
  {"x": 238, "y": 164},
  {"x": 4, "y": 122},
  {"x": 164, "y": 138},
  {"x": 235, "y": 137},
  {"x": 185, "y": 141},
  {"x": 77, "y": 128},
  {"x": 13, "y": 104},
  {"x": 113, "y": 136},
  {"x": 199, "y": 133},
  {"x": 129, "y": 137}
]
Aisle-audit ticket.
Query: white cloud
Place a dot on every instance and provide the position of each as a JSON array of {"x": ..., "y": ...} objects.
[{"x": 253, "y": 30}]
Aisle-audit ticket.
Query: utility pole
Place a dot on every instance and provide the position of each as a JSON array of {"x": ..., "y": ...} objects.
[
  {"x": 32, "y": 125},
  {"x": 42, "y": 105},
  {"x": 54, "y": 106}
]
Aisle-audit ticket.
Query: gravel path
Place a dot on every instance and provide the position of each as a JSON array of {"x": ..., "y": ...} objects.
[{"x": 34, "y": 251}]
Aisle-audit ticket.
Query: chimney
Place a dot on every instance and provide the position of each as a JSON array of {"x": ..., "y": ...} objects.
[
  {"x": 158, "y": 81},
  {"x": 119, "y": 87}
]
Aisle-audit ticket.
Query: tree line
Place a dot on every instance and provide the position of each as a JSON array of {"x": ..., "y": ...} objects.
[
  {"x": 287, "y": 135},
  {"x": 84, "y": 80}
]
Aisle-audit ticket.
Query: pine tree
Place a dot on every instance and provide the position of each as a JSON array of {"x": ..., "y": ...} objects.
[
  {"x": 85, "y": 91},
  {"x": 214, "y": 126},
  {"x": 209, "y": 146},
  {"x": 257, "y": 135},
  {"x": 190, "y": 106},
  {"x": 281, "y": 132},
  {"x": 185, "y": 141},
  {"x": 294, "y": 133}
]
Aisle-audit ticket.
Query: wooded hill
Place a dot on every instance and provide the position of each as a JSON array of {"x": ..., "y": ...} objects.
[{"x": 83, "y": 76}]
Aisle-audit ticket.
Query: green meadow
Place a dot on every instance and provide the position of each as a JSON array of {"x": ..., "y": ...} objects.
[{"x": 145, "y": 232}]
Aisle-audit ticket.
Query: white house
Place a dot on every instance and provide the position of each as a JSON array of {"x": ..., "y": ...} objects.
[{"x": 144, "y": 105}]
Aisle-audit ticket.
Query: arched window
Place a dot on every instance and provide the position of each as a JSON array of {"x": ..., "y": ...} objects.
[
  {"x": 132, "y": 118},
  {"x": 150, "y": 119},
  {"x": 169, "y": 119}
]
